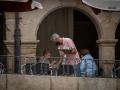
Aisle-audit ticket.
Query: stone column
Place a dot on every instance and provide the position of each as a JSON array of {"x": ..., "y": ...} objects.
[
  {"x": 107, "y": 55},
  {"x": 28, "y": 49}
]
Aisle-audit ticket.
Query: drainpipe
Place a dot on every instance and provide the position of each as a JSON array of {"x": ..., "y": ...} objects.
[{"x": 17, "y": 38}]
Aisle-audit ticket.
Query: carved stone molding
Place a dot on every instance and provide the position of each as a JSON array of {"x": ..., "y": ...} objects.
[
  {"x": 107, "y": 42},
  {"x": 27, "y": 47}
]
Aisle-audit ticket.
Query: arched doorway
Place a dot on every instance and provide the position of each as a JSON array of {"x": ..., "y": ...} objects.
[
  {"x": 62, "y": 21},
  {"x": 55, "y": 22},
  {"x": 117, "y": 49},
  {"x": 2, "y": 37},
  {"x": 1, "y": 31}
]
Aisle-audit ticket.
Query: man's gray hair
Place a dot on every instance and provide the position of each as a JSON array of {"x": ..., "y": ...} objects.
[{"x": 54, "y": 37}]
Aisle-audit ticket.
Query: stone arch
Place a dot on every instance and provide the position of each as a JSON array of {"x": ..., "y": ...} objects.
[{"x": 82, "y": 8}]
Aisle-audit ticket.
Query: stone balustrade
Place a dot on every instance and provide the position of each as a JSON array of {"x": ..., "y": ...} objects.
[{"x": 31, "y": 82}]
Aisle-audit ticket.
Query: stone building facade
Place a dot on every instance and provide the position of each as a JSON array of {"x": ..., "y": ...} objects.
[{"x": 105, "y": 23}]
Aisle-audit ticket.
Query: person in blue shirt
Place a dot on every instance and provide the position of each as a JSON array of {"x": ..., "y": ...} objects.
[{"x": 88, "y": 66}]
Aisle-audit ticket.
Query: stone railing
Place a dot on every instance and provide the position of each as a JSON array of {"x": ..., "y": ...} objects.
[{"x": 36, "y": 82}]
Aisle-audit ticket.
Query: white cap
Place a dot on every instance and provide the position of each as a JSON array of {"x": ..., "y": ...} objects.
[{"x": 55, "y": 37}]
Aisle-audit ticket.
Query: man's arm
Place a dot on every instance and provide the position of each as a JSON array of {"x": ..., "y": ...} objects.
[
  {"x": 73, "y": 51},
  {"x": 56, "y": 64}
]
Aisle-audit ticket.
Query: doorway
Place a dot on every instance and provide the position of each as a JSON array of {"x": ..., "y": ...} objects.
[
  {"x": 117, "y": 47},
  {"x": 2, "y": 38},
  {"x": 117, "y": 51},
  {"x": 68, "y": 22},
  {"x": 1, "y": 31},
  {"x": 85, "y": 34}
]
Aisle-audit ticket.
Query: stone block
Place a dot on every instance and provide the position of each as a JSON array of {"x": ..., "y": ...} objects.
[
  {"x": 28, "y": 82},
  {"x": 97, "y": 84},
  {"x": 118, "y": 84},
  {"x": 63, "y": 83},
  {"x": 107, "y": 84},
  {"x": 88, "y": 83}
]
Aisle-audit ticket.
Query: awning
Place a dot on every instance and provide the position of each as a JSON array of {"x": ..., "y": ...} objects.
[
  {"x": 110, "y": 5},
  {"x": 15, "y": 0},
  {"x": 19, "y": 5}
]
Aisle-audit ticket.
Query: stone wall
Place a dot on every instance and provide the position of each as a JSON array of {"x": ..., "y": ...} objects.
[
  {"x": 105, "y": 23},
  {"x": 3, "y": 82},
  {"x": 31, "y": 82}
]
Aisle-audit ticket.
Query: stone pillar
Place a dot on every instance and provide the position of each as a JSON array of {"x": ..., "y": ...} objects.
[
  {"x": 28, "y": 49},
  {"x": 107, "y": 55}
]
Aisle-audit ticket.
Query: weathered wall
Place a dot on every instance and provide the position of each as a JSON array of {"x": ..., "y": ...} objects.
[
  {"x": 118, "y": 84},
  {"x": 30, "y": 82},
  {"x": 2, "y": 82},
  {"x": 18, "y": 82}
]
